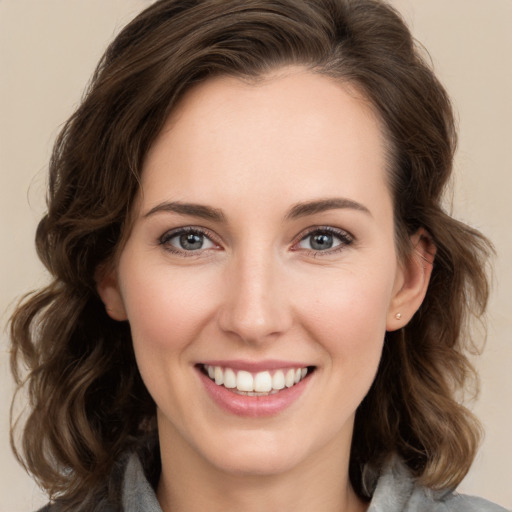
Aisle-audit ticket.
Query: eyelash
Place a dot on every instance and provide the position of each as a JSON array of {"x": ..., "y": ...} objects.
[
  {"x": 345, "y": 240},
  {"x": 169, "y": 235}
]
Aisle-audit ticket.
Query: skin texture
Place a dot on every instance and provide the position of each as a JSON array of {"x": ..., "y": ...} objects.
[{"x": 256, "y": 290}]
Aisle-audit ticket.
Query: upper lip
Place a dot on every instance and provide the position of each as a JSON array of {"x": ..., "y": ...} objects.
[{"x": 255, "y": 366}]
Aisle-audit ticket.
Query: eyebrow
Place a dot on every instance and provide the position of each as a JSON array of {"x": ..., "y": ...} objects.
[
  {"x": 192, "y": 209},
  {"x": 297, "y": 211},
  {"x": 322, "y": 205}
]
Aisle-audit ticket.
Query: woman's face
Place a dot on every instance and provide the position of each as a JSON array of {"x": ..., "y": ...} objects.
[{"x": 262, "y": 249}]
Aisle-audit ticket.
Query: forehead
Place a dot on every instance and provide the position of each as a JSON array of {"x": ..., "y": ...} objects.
[{"x": 293, "y": 131}]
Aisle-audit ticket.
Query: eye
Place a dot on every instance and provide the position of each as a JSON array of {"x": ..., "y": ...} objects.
[
  {"x": 325, "y": 239},
  {"x": 186, "y": 240}
]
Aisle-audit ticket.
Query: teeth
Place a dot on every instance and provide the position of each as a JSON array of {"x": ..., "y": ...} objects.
[
  {"x": 219, "y": 376},
  {"x": 229, "y": 378},
  {"x": 278, "y": 380},
  {"x": 244, "y": 381},
  {"x": 289, "y": 380},
  {"x": 261, "y": 383}
]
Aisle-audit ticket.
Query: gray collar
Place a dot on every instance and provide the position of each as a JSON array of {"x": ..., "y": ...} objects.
[{"x": 396, "y": 491}]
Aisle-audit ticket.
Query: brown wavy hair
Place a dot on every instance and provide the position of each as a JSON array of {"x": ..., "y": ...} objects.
[{"x": 87, "y": 401}]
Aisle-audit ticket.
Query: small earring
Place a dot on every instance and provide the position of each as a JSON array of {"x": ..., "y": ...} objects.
[{"x": 398, "y": 316}]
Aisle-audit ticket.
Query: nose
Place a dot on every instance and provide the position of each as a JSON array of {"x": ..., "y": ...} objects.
[{"x": 255, "y": 305}]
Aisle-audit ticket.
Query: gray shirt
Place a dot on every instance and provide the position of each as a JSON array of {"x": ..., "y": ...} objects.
[{"x": 396, "y": 491}]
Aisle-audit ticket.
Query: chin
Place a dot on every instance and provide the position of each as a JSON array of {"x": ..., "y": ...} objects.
[
  {"x": 256, "y": 453},
  {"x": 262, "y": 463}
]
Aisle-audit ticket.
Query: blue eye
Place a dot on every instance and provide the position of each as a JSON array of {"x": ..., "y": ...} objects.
[
  {"x": 325, "y": 239},
  {"x": 186, "y": 240}
]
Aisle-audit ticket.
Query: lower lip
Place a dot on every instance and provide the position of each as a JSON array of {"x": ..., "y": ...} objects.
[{"x": 253, "y": 406}]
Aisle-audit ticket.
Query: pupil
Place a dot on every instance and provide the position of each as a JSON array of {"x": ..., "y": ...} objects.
[
  {"x": 320, "y": 242},
  {"x": 191, "y": 241}
]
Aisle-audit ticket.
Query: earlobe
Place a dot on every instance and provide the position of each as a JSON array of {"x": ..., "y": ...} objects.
[
  {"x": 108, "y": 289},
  {"x": 412, "y": 282}
]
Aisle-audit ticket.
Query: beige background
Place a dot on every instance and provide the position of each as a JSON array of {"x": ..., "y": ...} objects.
[{"x": 48, "y": 49}]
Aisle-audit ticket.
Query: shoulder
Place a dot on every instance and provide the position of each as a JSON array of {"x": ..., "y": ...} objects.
[
  {"x": 472, "y": 503},
  {"x": 130, "y": 487},
  {"x": 424, "y": 501},
  {"x": 397, "y": 491},
  {"x": 56, "y": 507}
]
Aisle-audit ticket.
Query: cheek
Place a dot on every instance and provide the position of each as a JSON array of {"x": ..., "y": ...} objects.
[
  {"x": 348, "y": 315},
  {"x": 166, "y": 309}
]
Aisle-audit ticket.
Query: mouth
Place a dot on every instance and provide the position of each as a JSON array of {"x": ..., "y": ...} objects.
[{"x": 261, "y": 383}]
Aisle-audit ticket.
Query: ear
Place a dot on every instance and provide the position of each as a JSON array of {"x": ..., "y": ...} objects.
[
  {"x": 108, "y": 289},
  {"x": 412, "y": 281}
]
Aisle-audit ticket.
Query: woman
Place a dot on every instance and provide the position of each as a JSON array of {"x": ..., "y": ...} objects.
[{"x": 258, "y": 300}]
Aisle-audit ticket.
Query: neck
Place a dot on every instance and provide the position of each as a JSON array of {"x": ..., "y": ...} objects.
[{"x": 321, "y": 485}]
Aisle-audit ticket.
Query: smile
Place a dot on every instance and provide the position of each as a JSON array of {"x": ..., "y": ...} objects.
[
  {"x": 261, "y": 383},
  {"x": 255, "y": 389}
]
